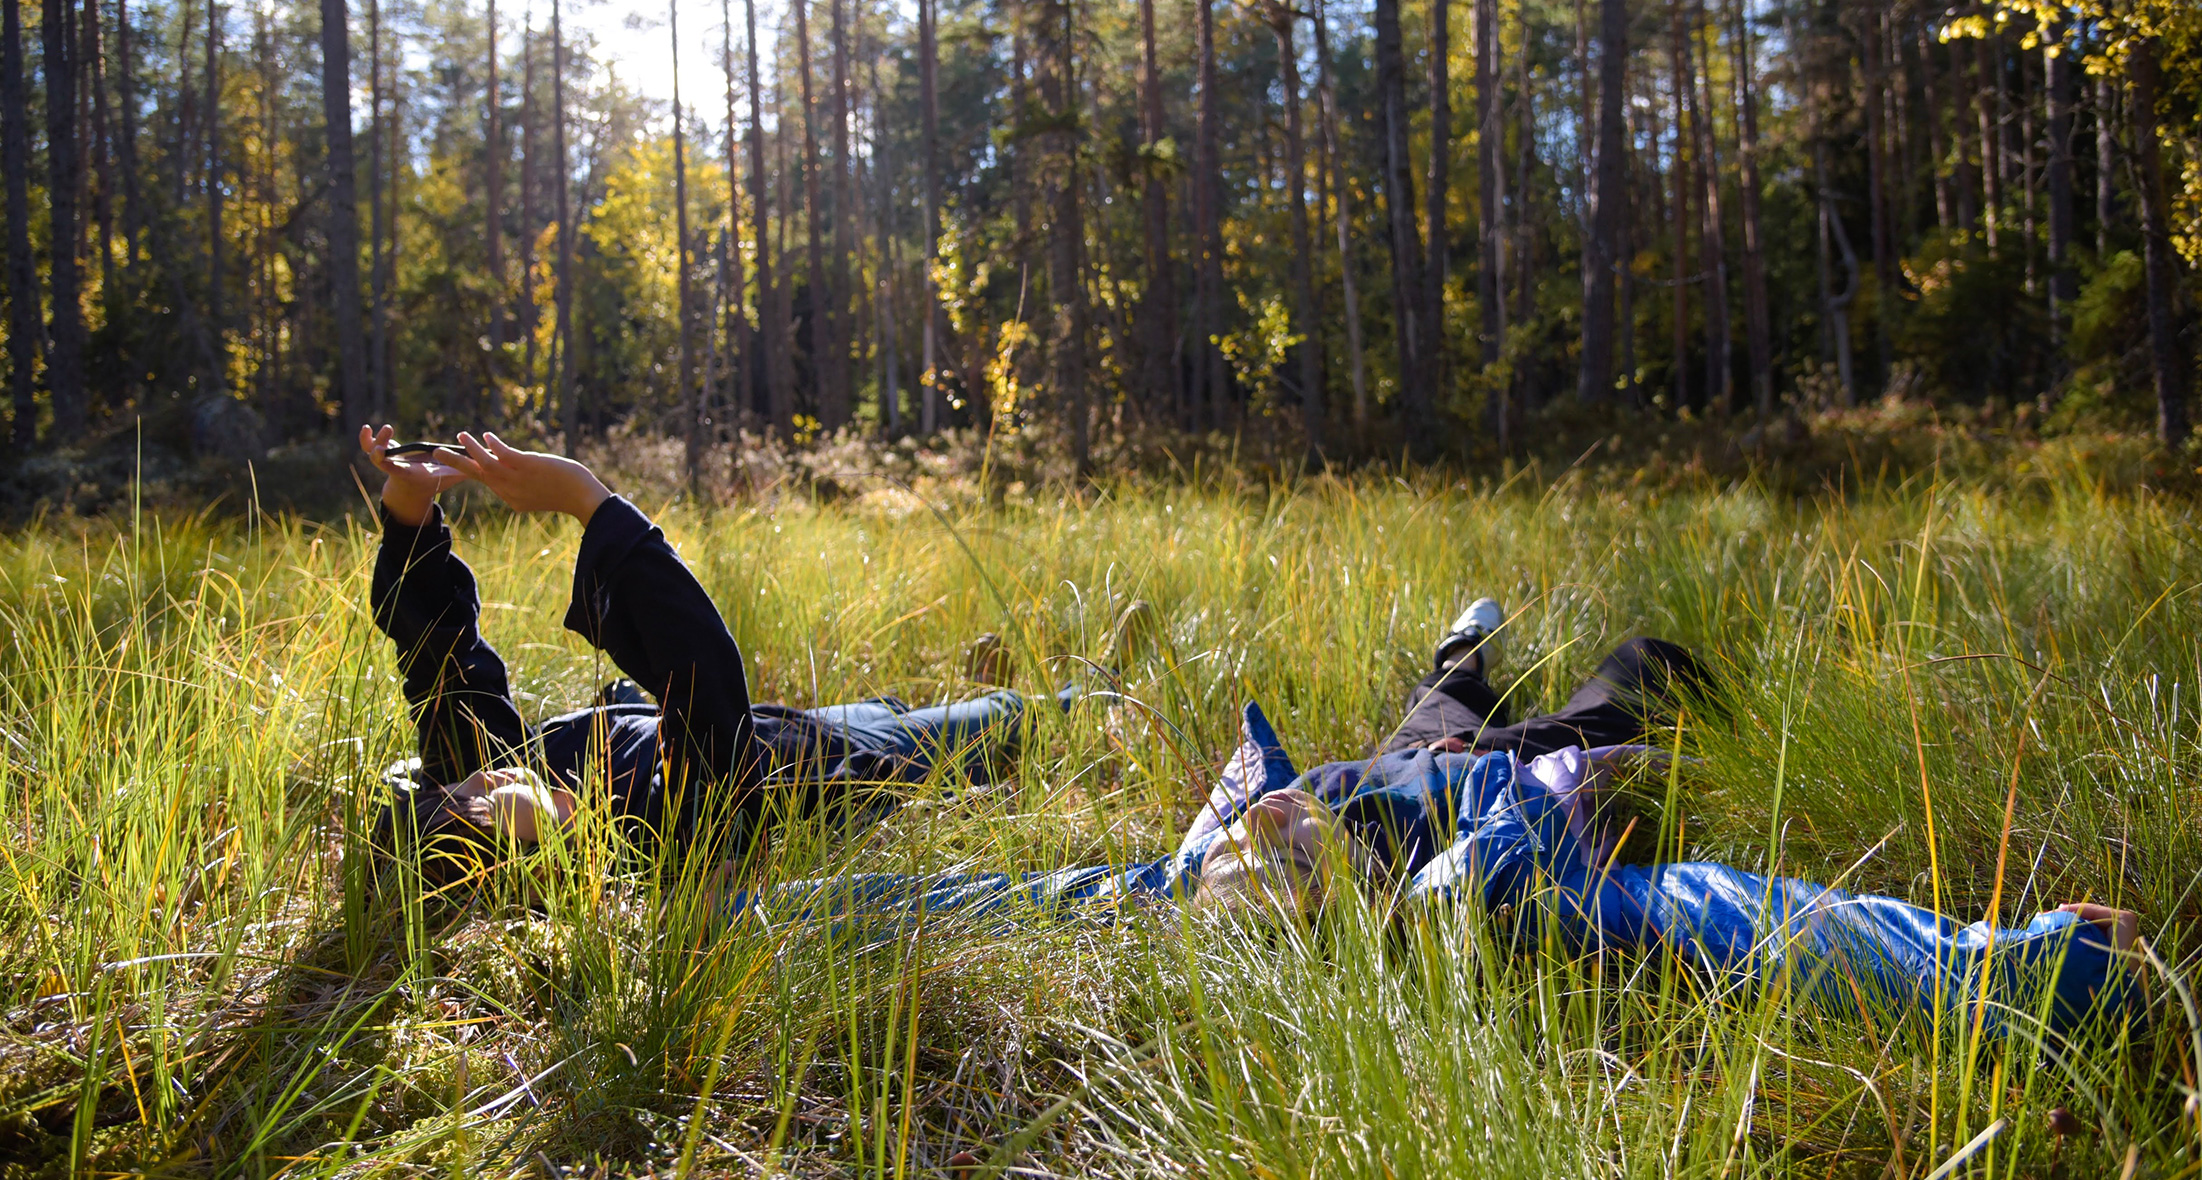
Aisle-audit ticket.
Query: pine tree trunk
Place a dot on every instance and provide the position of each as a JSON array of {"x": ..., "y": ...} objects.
[
  {"x": 493, "y": 223},
  {"x": 1684, "y": 151},
  {"x": 838, "y": 405},
  {"x": 526, "y": 319},
  {"x": 741, "y": 342},
  {"x": 24, "y": 328},
  {"x": 2165, "y": 362},
  {"x": 1211, "y": 384},
  {"x": 771, "y": 328},
  {"x": 2064, "y": 284},
  {"x": 814, "y": 216},
  {"x": 1930, "y": 109},
  {"x": 1432, "y": 307},
  {"x": 929, "y": 381},
  {"x": 1348, "y": 266},
  {"x": 1407, "y": 280},
  {"x": 1305, "y": 314},
  {"x": 562, "y": 327},
  {"x": 1719, "y": 339},
  {"x": 218, "y": 341},
  {"x": 343, "y": 231},
  {"x": 126, "y": 148},
  {"x": 686, "y": 398},
  {"x": 103, "y": 201},
  {"x": 2106, "y": 162},
  {"x": 1608, "y": 200},
  {"x": 377, "y": 223},
  {"x": 65, "y": 328},
  {"x": 890, "y": 391},
  {"x": 1490, "y": 184},
  {"x": 1066, "y": 283},
  {"x": 1985, "y": 88},
  {"x": 1158, "y": 306},
  {"x": 1877, "y": 170},
  {"x": 1757, "y": 325}
]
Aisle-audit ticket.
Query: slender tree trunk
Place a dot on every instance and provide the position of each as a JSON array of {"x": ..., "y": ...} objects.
[
  {"x": 771, "y": 331},
  {"x": 834, "y": 412},
  {"x": 1210, "y": 383},
  {"x": 103, "y": 220},
  {"x": 1490, "y": 233},
  {"x": 65, "y": 330},
  {"x": 741, "y": 341},
  {"x": 691, "y": 405},
  {"x": 1719, "y": 338},
  {"x": 890, "y": 360},
  {"x": 1066, "y": 286},
  {"x": 493, "y": 221},
  {"x": 2064, "y": 284},
  {"x": 1158, "y": 307},
  {"x": 1679, "y": 58},
  {"x": 126, "y": 93},
  {"x": 1991, "y": 165},
  {"x": 2106, "y": 162},
  {"x": 1877, "y": 170},
  {"x": 1348, "y": 267},
  {"x": 929, "y": 382},
  {"x": 1305, "y": 316},
  {"x": 814, "y": 216},
  {"x": 336, "y": 109},
  {"x": 1436, "y": 195},
  {"x": 2165, "y": 362},
  {"x": 377, "y": 223},
  {"x": 1937, "y": 143},
  {"x": 1757, "y": 328},
  {"x": 1608, "y": 200},
  {"x": 1407, "y": 280},
  {"x": 526, "y": 319},
  {"x": 562, "y": 327},
  {"x": 218, "y": 362},
  {"x": 24, "y": 328}
]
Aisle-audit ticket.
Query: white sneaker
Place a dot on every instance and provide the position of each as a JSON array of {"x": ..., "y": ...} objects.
[{"x": 1474, "y": 637}]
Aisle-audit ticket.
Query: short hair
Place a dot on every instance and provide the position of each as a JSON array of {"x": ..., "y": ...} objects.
[
  {"x": 1257, "y": 880},
  {"x": 449, "y": 839}
]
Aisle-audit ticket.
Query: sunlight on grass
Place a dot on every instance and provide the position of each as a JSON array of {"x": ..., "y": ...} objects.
[{"x": 200, "y": 976}]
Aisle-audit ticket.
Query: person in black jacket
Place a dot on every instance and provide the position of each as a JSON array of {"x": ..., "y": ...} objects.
[{"x": 702, "y": 765}]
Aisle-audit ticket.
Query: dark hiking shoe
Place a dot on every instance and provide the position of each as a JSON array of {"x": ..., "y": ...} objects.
[
  {"x": 1472, "y": 644},
  {"x": 986, "y": 661},
  {"x": 621, "y": 692}
]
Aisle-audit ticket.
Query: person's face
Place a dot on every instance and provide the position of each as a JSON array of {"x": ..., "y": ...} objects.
[{"x": 1290, "y": 827}]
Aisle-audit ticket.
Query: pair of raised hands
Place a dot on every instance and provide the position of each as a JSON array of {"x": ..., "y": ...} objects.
[{"x": 527, "y": 481}]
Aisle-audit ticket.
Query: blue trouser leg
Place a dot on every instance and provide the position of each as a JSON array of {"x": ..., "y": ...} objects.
[{"x": 885, "y": 740}]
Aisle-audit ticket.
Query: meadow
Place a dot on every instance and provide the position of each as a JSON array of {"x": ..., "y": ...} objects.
[{"x": 1976, "y": 696}]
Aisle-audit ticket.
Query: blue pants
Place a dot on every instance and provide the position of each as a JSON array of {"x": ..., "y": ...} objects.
[{"x": 884, "y": 740}]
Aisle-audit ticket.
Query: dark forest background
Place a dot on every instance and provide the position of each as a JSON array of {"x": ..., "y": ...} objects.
[{"x": 236, "y": 229}]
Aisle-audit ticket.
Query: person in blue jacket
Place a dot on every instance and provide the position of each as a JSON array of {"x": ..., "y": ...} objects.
[
  {"x": 702, "y": 762},
  {"x": 1549, "y": 835}
]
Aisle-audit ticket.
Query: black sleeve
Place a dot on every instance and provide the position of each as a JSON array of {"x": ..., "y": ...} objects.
[
  {"x": 633, "y": 598},
  {"x": 424, "y": 598}
]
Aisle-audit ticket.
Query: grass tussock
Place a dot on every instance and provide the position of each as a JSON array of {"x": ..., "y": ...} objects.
[{"x": 1997, "y": 689}]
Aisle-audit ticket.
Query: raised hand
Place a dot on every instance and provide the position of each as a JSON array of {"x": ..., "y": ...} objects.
[
  {"x": 412, "y": 480},
  {"x": 529, "y": 481}
]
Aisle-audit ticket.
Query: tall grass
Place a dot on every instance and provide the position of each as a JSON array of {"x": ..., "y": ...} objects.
[{"x": 1997, "y": 690}]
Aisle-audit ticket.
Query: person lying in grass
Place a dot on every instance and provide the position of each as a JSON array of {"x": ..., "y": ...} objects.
[
  {"x": 1569, "y": 836},
  {"x": 703, "y": 761}
]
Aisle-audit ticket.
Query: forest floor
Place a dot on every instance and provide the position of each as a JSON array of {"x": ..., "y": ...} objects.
[{"x": 195, "y": 709}]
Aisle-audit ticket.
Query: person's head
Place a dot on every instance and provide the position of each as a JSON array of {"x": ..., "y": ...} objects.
[
  {"x": 1285, "y": 852},
  {"x": 454, "y": 832}
]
